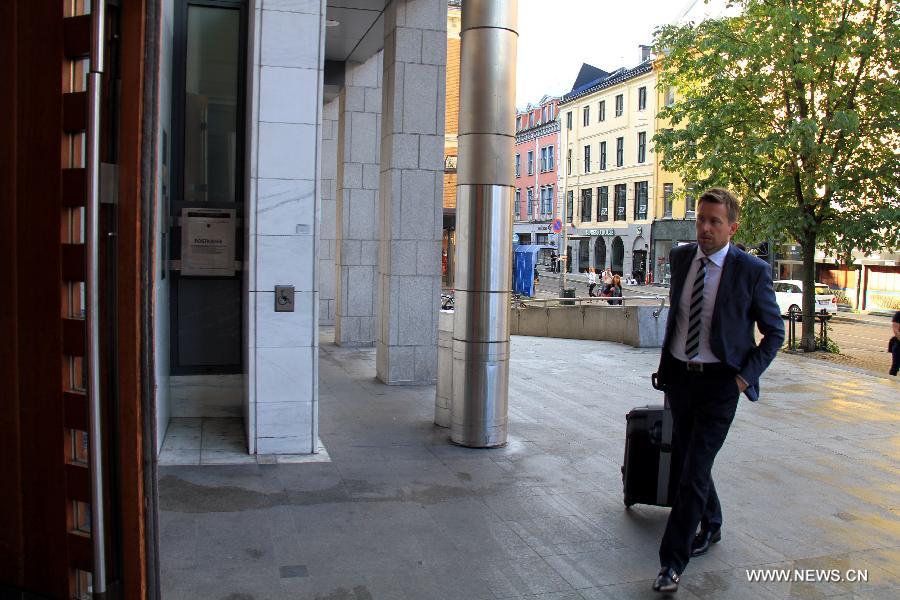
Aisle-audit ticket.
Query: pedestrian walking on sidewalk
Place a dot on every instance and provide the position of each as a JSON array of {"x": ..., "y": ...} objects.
[
  {"x": 592, "y": 281},
  {"x": 709, "y": 358},
  {"x": 894, "y": 346}
]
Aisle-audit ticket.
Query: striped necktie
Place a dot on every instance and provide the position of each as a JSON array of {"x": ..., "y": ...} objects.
[{"x": 692, "y": 345}]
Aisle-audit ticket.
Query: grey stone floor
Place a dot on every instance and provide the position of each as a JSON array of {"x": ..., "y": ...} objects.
[{"x": 808, "y": 479}]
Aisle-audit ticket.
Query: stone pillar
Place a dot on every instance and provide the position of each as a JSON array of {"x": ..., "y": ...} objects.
[
  {"x": 285, "y": 120},
  {"x": 357, "y": 202},
  {"x": 327, "y": 229},
  {"x": 592, "y": 247},
  {"x": 411, "y": 190}
]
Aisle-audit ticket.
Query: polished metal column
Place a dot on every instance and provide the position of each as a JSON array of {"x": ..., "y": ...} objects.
[{"x": 484, "y": 193}]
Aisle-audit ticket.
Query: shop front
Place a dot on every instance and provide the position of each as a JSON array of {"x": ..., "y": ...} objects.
[{"x": 665, "y": 235}]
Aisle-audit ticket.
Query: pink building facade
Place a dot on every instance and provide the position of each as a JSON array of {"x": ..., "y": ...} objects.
[{"x": 536, "y": 162}]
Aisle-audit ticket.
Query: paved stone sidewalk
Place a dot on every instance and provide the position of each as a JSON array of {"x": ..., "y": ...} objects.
[{"x": 808, "y": 479}]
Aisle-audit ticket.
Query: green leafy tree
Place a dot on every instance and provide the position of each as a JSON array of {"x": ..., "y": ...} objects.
[{"x": 795, "y": 105}]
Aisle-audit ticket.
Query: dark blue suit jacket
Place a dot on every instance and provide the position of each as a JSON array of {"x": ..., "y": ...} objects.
[{"x": 745, "y": 299}]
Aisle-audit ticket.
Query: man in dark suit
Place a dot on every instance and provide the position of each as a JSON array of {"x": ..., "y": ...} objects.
[{"x": 709, "y": 357}]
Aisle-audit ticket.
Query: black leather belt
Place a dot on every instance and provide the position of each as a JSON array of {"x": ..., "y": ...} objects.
[{"x": 712, "y": 368}]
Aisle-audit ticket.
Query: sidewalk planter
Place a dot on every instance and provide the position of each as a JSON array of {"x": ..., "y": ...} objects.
[{"x": 633, "y": 325}]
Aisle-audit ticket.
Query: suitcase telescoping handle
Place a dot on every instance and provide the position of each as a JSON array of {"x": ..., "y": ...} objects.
[{"x": 665, "y": 457}]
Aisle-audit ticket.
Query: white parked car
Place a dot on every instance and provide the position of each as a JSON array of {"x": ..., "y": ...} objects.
[{"x": 789, "y": 293}]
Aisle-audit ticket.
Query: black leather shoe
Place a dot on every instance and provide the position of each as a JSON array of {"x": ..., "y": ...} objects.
[
  {"x": 667, "y": 581},
  {"x": 703, "y": 540}
]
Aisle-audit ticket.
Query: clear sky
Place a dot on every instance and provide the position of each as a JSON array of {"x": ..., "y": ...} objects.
[{"x": 557, "y": 36}]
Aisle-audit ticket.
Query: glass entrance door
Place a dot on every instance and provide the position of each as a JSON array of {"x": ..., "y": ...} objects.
[{"x": 207, "y": 241}]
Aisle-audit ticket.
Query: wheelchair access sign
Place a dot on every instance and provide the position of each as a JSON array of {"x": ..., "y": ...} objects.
[{"x": 557, "y": 225}]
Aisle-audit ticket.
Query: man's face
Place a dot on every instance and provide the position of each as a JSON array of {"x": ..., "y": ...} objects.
[{"x": 713, "y": 228}]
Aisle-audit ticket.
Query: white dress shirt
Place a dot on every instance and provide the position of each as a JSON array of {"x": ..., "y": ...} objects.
[{"x": 710, "y": 287}]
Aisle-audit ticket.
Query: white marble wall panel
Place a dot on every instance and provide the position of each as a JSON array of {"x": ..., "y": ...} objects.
[
  {"x": 301, "y": 6},
  {"x": 283, "y": 95},
  {"x": 287, "y": 151},
  {"x": 356, "y": 209},
  {"x": 284, "y": 329},
  {"x": 285, "y": 206},
  {"x": 283, "y": 215},
  {"x": 284, "y": 260},
  {"x": 290, "y": 39},
  {"x": 284, "y": 374},
  {"x": 411, "y": 191}
]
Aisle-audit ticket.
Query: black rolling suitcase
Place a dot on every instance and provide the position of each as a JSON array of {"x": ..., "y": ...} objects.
[{"x": 650, "y": 475}]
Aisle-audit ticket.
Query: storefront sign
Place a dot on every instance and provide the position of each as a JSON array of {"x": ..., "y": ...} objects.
[{"x": 597, "y": 232}]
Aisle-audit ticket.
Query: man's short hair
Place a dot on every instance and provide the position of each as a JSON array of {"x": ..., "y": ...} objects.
[{"x": 723, "y": 196}]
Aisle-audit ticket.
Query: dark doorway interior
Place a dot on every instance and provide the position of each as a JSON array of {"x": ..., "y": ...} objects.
[
  {"x": 618, "y": 255},
  {"x": 600, "y": 253}
]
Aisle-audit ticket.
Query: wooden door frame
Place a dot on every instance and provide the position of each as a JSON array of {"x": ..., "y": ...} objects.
[{"x": 34, "y": 554}]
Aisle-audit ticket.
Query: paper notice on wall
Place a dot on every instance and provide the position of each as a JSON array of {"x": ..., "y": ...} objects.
[{"x": 207, "y": 242}]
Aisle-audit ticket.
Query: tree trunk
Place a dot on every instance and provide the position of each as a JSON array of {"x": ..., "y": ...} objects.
[{"x": 808, "y": 335}]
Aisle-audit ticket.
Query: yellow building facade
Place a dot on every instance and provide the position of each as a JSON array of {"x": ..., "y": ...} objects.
[
  {"x": 673, "y": 206},
  {"x": 608, "y": 174},
  {"x": 451, "y": 128}
]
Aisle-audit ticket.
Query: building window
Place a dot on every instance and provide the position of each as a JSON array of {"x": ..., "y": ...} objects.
[
  {"x": 642, "y": 98},
  {"x": 670, "y": 96},
  {"x": 690, "y": 205},
  {"x": 586, "y": 204},
  {"x": 518, "y": 207},
  {"x": 620, "y": 151},
  {"x": 586, "y": 117},
  {"x": 547, "y": 201},
  {"x": 620, "y": 202},
  {"x": 603, "y": 203},
  {"x": 569, "y": 120},
  {"x": 602, "y": 156},
  {"x": 551, "y": 112},
  {"x": 531, "y": 119},
  {"x": 530, "y": 199},
  {"x": 530, "y": 161},
  {"x": 569, "y": 162},
  {"x": 601, "y": 109},
  {"x": 518, "y": 165},
  {"x": 667, "y": 200},
  {"x": 550, "y": 164},
  {"x": 620, "y": 105},
  {"x": 640, "y": 200},
  {"x": 543, "y": 114},
  {"x": 587, "y": 159},
  {"x": 570, "y": 202},
  {"x": 642, "y": 146},
  {"x": 518, "y": 122},
  {"x": 543, "y": 159}
]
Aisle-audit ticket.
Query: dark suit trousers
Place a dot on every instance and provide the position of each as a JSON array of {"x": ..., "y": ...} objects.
[{"x": 703, "y": 408}]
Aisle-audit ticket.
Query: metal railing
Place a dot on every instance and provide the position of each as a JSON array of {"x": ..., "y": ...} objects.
[
  {"x": 521, "y": 301},
  {"x": 795, "y": 315},
  {"x": 595, "y": 300}
]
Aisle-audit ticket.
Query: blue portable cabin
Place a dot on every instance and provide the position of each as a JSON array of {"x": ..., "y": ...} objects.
[{"x": 525, "y": 259}]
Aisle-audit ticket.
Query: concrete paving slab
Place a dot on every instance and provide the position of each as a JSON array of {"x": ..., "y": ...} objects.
[{"x": 808, "y": 479}]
